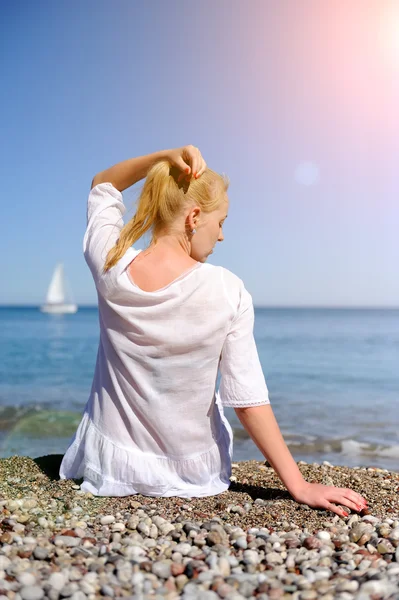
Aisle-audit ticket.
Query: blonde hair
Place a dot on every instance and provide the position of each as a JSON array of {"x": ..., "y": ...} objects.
[{"x": 163, "y": 199}]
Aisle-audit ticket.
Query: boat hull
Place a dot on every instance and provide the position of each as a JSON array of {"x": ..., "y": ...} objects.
[{"x": 59, "y": 308}]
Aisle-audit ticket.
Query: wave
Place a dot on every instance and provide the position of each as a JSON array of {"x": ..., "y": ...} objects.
[
  {"x": 41, "y": 421},
  {"x": 344, "y": 447}
]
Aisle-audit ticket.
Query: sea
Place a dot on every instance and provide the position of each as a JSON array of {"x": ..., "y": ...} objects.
[{"x": 332, "y": 376}]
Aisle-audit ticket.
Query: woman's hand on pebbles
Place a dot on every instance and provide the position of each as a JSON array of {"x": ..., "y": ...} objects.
[
  {"x": 189, "y": 160},
  {"x": 317, "y": 495}
]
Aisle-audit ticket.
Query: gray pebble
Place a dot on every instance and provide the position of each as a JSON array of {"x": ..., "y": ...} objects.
[
  {"x": 143, "y": 528},
  {"x": 107, "y": 590},
  {"x": 41, "y": 553},
  {"x": 274, "y": 558},
  {"x": 66, "y": 540},
  {"x": 182, "y": 548},
  {"x": 162, "y": 568}
]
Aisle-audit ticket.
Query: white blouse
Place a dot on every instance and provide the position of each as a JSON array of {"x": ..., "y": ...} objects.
[{"x": 154, "y": 423}]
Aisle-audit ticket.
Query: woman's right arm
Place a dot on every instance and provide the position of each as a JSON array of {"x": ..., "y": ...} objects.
[{"x": 261, "y": 425}]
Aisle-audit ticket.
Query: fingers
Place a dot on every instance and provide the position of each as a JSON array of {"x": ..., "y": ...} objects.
[
  {"x": 348, "y": 503},
  {"x": 348, "y": 498},
  {"x": 196, "y": 162},
  {"x": 353, "y": 497},
  {"x": 192, "y": 163},
  {"x": 335, "y": 509},
  {"x": 198, "y": 165},
  {"x": 201, "y": 170}
]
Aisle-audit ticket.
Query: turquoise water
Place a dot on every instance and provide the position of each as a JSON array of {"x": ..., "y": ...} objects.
[{"x": 332, "y": 374}]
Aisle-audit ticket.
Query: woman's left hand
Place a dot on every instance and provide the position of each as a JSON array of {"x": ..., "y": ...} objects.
[
  {"x": 318, "y": 495},
  {"x": 189, "y": 160}
]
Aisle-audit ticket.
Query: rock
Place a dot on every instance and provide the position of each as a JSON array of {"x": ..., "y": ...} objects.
[
  {"x": 153, "y": 532},
  {"x": 31, "y": 592},
  {"x": 214, "y": 537},
  {"x": 177, "y": 569},
  {"x": 312, "y": 543},
  {"x": 274, "y": 558},
  {"x": 324, "y": 536},
  {"x": 350, "y": 586},
  {"x": 57, "y": 580},
  {"x": 26, "y": 579},
  {"x": 251, "y": 557},
  {"x": 183, "y": 548},
  {"x": 143, "y": 528},
  {"x": 107, "y": 519},
  {"x": 241, "y": 542},
  {"x": 361, "y": 533},
  {"x": 380, "y": 588},
  {"x": 308, "y": 595},
  {"x": 133, "y": 522},
  {"x": 162, "y": 569},
  {"x": 223, "y": 566},
  {"x": 384, "y": 530},
  {"x": 79, "y": 595},
  {"x": 236, "y": 508},
  {"x": 29, "y": 503},
  {"x": 41, "y": 553},
  {"x": 166, "y": 528},
  {"x": 66, "y": 540},
  {"x": 385, "y": 547},
  {"x": 246, "y": 588}
]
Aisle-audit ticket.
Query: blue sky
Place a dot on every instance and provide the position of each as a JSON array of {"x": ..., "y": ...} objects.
[{"x": 295, "y": 101}]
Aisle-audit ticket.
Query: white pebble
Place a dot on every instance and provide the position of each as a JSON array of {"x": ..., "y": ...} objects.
[
  {"x": 57, "y": 580},
  {"x": 31, "y": 592},
  {"x": 107, "y": 519},
  {"x": 324, "y": 536},
  {"x": 66, "y": 540},
  {"x": 379, "y": 588},
  {"x": 26, "y": 579},
  {"x": 79, "y": 595},
  {"x": 251, "y": 557}
]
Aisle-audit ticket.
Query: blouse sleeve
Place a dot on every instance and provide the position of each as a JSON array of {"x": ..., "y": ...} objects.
[
  {"x": 105, "y": 209},
  {"x": 242, "y": 381}
]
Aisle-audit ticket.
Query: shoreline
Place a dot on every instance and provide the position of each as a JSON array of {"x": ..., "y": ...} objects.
[{"x": 253, "y": 537}]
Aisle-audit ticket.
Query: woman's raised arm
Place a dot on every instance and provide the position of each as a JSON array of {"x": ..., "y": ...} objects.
[{"x": 126, "y": 173}]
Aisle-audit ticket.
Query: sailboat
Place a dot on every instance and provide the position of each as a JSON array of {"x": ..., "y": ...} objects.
[{"x": 55, "y": 299}]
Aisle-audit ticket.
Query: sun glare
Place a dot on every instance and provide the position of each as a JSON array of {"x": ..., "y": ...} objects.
[{"x": 389, "y": 34}]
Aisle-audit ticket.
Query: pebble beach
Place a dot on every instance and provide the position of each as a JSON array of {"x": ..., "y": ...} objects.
[{"x": 253, "y": 540}]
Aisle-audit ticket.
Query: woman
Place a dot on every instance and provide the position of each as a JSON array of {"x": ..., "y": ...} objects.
[{"x": 154, "y": 423}]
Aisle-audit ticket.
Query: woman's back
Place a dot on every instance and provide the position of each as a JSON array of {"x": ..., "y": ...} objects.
[{"x": 155, "y": 269}]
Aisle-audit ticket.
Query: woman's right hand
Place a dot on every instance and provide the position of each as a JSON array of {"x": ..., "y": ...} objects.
[
  {"x": 318, "y": 495},
  {"x": 188, "y": 159}
]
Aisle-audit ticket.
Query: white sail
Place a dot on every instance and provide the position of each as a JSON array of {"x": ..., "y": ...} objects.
[
  {"x": 55, "y": 299},
  {"x": 56, "y": 290}
]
